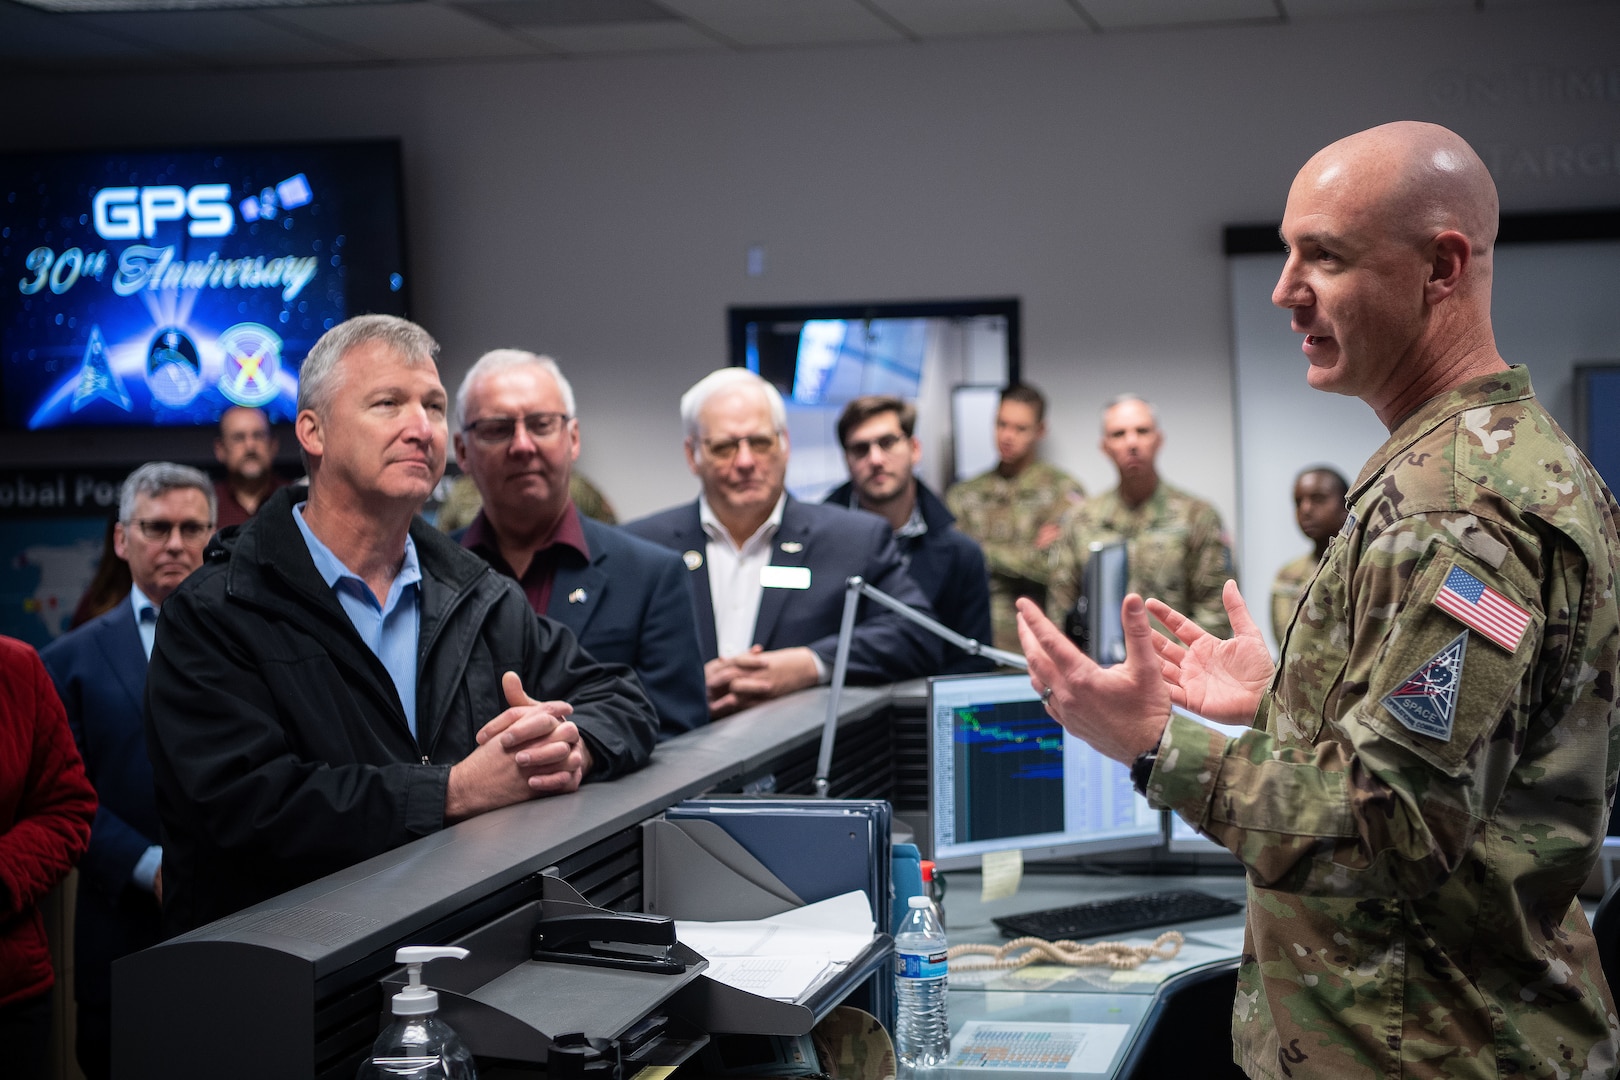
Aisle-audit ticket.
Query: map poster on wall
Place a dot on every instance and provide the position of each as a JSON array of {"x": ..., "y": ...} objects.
[{"x": 52, "y": 524}]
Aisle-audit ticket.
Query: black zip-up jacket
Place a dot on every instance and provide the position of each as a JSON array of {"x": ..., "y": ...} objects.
[{"x": 279, "y": 746}]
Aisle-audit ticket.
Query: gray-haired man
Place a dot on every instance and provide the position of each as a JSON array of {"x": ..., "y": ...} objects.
[{"x": 341, "y": 678}]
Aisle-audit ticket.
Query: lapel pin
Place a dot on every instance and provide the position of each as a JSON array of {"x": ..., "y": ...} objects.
[
  {"x": 577, "y": 596},
  {"x": 792, "y": 547},
  {"x": 692, "y": 559}
]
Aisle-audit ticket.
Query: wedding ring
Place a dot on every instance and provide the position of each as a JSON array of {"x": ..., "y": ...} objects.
[{"x": 1046, "y": 696}]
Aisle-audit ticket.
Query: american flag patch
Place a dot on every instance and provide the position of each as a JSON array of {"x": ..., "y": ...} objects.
[{"x": 1480, "y": 607}]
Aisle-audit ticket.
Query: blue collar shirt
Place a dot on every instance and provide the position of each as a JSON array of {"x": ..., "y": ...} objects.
[
  {"x": 391, "y": 629},
  {"x": 146, "y": 614}
]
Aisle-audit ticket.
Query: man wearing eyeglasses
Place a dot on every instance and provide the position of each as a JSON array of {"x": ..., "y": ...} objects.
[
  {"x": 881, "y": 450},
  {"x": 768, "y": 571},
  {"x": 626, "y": 599},
  {"x": 165, "y": 516},
  {"x": 341, "y": 678}
]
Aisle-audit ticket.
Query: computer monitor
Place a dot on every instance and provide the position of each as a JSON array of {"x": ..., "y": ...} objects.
[
  {"x": 1184, "y": 839},
  {"x": 1004, "y": 776},
  {"x": 1094, "y": 623}
]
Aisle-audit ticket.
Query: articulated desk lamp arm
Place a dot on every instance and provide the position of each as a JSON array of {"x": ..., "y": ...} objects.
[{"x": 857, "y": 587}]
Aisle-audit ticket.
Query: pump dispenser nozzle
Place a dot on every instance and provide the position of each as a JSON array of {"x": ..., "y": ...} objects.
[{"x": 416, "y": 999}]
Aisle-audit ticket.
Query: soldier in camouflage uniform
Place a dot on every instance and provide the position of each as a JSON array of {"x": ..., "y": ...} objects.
[
  {"x": 1433, "y": 760},
  {"x": 1013, "y": 510},
  {"x": 1319, "y": 510},
  {"x": 1178, "y": 551}
]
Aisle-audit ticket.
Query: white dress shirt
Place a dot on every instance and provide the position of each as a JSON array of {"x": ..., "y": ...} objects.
[{"x": 734, "y": 577}]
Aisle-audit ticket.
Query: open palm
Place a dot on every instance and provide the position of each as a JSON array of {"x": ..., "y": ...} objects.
[{"x": 1219, "y": 679}]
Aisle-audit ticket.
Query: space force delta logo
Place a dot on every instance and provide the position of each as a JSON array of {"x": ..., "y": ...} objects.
[{"x": 204, "y": 211}]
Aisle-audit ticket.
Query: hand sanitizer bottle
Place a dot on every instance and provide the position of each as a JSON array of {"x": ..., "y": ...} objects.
[{"x": 418, "y": 1044}]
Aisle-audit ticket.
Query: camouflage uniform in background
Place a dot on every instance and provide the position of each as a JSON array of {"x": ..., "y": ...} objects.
[
  {"x": 1004, "y": 516},
  {"x": 1418, "y": 804},
  {"x": 1285, "y": 589},
  {"x": 1177, "y": 549}
]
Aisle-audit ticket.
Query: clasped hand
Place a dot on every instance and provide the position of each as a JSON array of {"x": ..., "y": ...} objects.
[
  {"x": 529, "y": 749},
  {"x": 736, "y": 682}
]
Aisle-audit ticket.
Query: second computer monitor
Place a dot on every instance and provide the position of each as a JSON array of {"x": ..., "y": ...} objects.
[{"x": 1003, "y": 775}]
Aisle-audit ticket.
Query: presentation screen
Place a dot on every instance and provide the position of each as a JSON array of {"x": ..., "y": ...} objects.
[
  {"x": 1004, "y": 775},
  {"x": 164, "y": 287}
]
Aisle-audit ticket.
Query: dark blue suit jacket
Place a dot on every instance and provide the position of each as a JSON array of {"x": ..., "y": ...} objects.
[
  {"x": 632, "y": 605},
  {"x": 835, "y": 544},
  {"x": 949, "y": 567},
  {"x": 100, "y": 673}
]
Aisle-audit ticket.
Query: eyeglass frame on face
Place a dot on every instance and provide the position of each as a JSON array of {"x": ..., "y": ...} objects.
[
  {"x": 549, "y": 423},
  {"x": 724, "y": 450},
  {"x": 885, "y": 443},
  {"x": 190, "y": 531}
]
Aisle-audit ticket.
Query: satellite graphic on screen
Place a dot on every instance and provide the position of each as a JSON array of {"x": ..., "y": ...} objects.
[{"x": 162, "y": 288}]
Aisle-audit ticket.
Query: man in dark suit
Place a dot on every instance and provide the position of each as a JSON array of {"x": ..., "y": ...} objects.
[
  {"x": 627, "y": 600},
  {"x": 768, "y": 571},
  {"x": 165, "y": 516},
  {"x": 881, "y": 450}
]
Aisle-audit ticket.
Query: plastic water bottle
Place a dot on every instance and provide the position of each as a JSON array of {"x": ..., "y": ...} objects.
[
  {"x": 922, "y": 1031},
  {"x": 418, "y": 1044}
]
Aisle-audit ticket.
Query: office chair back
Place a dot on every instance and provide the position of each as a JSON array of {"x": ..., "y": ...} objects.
[
  {"x": 1606, "y": 929},
  {"x": 1188, "y": 1030}
]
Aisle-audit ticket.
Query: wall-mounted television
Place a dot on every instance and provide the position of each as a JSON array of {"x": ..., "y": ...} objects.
[{"x": 162, "y": 287}]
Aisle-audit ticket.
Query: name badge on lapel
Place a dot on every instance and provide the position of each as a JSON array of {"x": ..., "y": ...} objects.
[{"x": 784, "y": 577}]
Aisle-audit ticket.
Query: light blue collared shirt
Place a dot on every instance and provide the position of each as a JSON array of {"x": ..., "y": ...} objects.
[
  {"x": 391, "y": 630},
  {"x": 146, "y": 624}
]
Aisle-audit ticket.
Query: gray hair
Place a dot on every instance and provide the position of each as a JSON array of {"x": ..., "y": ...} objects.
[
  {"x": 318, "y": 376},
  {"x": 504, "y": 360},
  {"x": 157, "y": 478},
  {"x": 1120, "y": 399},
  {"x": 727, "y": 378}
]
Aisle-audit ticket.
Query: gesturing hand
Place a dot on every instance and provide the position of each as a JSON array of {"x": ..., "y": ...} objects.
[
  {"x": 1219, "y": 679},
  {"x": 1120, "y": 710}
]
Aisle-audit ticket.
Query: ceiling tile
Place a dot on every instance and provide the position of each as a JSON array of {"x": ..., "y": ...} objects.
[
  {"x": 949, "y": 18},
  {"x": 623, "y": 37},
  {"x": 407, "y": 31},
  {"x": 33, "y": 39},
  {"x": 1146, "y": 14},
  {"x": 1311, "y": 9},
  {"x": 787, "y": 22},
  {"x": 220, "y": 37}
]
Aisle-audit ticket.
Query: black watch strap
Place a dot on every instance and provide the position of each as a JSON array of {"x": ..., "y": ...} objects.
[{"x": 1142, "y": 768}]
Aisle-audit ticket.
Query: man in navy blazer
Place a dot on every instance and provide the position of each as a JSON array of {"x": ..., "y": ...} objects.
[
  {"x": 877, "y": 433},
  {"x": 769, "y": 572},
  {"x": 165, "y": 515},
  {"x": 628, "y": 601}
]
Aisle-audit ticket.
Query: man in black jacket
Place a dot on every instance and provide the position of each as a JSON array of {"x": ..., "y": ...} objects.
[
  {"x": 339, "y": 678},
  {"x": 877, "y": 432}
]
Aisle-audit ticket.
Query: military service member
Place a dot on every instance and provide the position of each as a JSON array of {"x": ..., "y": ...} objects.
[
  {"x": 1013, "y": 510},
  {"x": 1428, "y": 779},
  {"x": 1319, "y": 511},
  {"x": 1177, "y": 548}
]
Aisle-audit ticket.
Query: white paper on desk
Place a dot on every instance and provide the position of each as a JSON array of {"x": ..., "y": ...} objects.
[
  {"x": 828, "y": 934},
  {"x": 780, "y": 977},
  {"x": 1034, "y": 1047}
]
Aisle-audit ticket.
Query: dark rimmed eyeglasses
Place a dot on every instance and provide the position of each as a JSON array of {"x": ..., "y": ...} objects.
[
  {"x": 499, "y": 430},
  {"x": 885, "y": 443},
  {"x": 726, "y": 449},
  {"x": 157, "y": 530}
]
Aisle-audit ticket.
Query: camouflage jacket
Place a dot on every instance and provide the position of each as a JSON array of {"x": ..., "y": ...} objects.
[
  {"x": 1419, "y": 803},
  {"x": 1177, "y": 548},
  {"x": 1285, "y": 589},
  {"x": 1004, "y": 516}
]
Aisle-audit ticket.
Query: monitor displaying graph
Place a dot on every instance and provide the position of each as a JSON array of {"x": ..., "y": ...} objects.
[{"x": 1003, "y": 775}]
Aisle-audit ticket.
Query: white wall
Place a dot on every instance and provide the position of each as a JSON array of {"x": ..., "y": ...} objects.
[{"x": 601, "y": 210}]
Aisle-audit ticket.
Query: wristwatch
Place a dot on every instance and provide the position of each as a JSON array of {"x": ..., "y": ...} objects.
[{"x": 1142, "y": 768}]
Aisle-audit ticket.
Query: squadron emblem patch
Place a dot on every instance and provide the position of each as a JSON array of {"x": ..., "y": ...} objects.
[{"x": 1427, "y": 701}]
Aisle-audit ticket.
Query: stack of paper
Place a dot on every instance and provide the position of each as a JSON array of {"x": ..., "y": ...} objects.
[{"x": 787, "y": 955}]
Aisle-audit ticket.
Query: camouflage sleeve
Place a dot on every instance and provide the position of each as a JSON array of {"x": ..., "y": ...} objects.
[
  {"x": 1383, "y": 797},
  {"x": 1209, "y": 565},
  {"x": 1064, "y": 566}
]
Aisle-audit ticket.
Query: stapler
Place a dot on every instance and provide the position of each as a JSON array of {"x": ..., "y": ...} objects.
[{"x": 615, "y": 939}]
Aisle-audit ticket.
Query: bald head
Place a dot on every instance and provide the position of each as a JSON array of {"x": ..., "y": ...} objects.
[{"x": 1414, "y": 180}]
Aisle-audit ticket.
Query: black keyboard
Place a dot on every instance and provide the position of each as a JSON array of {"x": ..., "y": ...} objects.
[{"x": 1117, "y": 916}]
